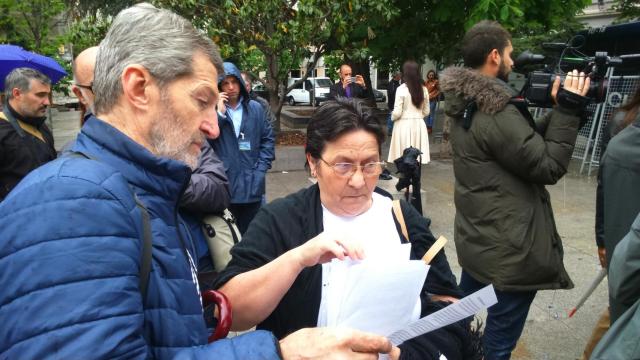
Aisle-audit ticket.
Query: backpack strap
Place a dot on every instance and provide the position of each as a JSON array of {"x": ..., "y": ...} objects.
[{"x": 145, "y": 259}]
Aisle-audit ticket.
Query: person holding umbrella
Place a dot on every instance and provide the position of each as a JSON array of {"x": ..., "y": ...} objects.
[{"x": 25, "y": 140}]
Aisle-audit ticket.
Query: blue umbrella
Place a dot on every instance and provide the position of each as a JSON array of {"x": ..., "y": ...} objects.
[{"x": 12, "y": 57}]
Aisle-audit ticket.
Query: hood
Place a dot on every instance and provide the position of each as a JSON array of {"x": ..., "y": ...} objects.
[
  {"x": 462, "y": 85},
  {"x": 231, "y": 69}
]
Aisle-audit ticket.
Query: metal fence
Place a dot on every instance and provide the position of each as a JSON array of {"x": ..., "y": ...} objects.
[{"x": 588, "y": 144}]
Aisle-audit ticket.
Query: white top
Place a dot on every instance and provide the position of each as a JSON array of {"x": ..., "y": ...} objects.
[
  {"x": 376, "y": 230},
  {"x": 404, "y": 108}
]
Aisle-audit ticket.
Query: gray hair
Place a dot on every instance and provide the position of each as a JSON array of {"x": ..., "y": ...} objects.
[
  {"x": 21, "y": 78},
  {"x": 161, "y": 41}
]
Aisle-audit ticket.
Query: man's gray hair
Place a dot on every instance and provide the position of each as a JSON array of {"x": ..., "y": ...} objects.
[
  {"x": 21, "y": 78},
  {"x": 161, "y": 41}
]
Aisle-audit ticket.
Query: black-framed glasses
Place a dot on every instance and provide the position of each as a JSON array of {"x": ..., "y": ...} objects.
[
  {"x": 88, "y": 87},
  {"x": 370, "y": 169}
]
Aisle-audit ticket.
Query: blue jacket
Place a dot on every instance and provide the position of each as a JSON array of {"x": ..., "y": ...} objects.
[
  {"x": 246, "y": 169},
  {"x": 70, "y": 257}
]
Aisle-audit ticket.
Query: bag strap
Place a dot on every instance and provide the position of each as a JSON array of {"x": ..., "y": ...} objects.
[
  {"x": 145, "y": 258},
  {"x": 397, "y": 211},
  {"x": 433, "y": 250}
]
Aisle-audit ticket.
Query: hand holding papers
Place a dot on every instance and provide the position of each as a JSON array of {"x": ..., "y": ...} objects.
[{"x": 466, "y": 307}]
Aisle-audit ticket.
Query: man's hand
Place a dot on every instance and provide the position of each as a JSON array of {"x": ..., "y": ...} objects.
[
  {"x": 335, "y": 343},
  {"x": 574, "y": 82},
  {"x": 360, "y": 81},
  {"x": 602, "y": 256},
  {"x": 222, "y": 102},
  {"x": 445, "y": 298},
  {"x": 326, "y": 246}
]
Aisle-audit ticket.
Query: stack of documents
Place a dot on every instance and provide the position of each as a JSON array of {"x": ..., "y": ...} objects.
[{"x": 380, "y": 294}]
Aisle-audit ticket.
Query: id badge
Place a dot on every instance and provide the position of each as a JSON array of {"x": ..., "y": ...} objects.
[{"x": 245, "y": 145}]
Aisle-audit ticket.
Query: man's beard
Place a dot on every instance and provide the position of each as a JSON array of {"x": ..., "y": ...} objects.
[
  {"x": 169, "y": 139},
  {"x": 503, "y": 72}
]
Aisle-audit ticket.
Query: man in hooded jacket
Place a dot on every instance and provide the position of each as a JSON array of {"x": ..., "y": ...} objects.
[
  {"x": 505, "y": 232},
  {"x": 245, "y": 145}
]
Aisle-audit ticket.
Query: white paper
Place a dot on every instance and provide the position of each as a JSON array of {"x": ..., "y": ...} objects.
[
  {"x": 466, "y": 307},
  {"x": 379, "y": 294}
]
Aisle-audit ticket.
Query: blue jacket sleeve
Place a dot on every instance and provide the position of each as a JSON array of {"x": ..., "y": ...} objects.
[
  {"x": 258, "y": 344},
  {"x": 267, "y": 145}
]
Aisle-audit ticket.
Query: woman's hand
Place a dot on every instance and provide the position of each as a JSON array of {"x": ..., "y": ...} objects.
[{"x": 327, "y": 246}]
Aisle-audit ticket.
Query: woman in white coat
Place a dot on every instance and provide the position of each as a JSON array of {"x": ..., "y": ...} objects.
[{"x": 409, "y": 110}]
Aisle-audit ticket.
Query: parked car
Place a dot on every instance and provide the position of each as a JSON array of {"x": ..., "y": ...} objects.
[
  {"x": 261, "y": 90},
  {"x": 302, "y": 92},
  {"x": 379, "y": 95}
]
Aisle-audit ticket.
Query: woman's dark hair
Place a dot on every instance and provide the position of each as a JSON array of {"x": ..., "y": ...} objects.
[
  {"x": 480, "y": 40},
  {"x": 337, "y": 117},
  {"x": 631, "y": 107},
  {"x": 413, "y": 79}
]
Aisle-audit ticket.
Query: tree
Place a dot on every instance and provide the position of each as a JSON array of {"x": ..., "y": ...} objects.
[
  {"x": 629, "y": 9},
  {"x": 285, "y": 32},
  {"x": 31, "y": 20}
]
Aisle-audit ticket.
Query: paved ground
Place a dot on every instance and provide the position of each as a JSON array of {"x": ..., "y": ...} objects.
[{"x": 549, "y": 334}]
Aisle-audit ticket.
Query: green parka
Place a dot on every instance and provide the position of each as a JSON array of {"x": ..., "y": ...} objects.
[{"x": 505, "y": 233}]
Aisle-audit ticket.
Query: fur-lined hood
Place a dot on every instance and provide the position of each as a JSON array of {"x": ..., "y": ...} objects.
[{"x": 491, "y": 94}]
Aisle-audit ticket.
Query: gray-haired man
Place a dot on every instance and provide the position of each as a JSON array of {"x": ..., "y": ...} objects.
[
  {"x": 156, "y": 89},
  {"x": 25, "y": 140}
]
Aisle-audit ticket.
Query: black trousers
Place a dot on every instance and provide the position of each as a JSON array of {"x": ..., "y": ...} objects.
[{"x": 244, "y": 213}]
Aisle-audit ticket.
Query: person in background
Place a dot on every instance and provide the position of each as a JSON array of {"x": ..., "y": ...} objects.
[
  {"x": 25, "y": 140},
  {"x": 434, "y": 92},
  {"x": 393, "y": 85},
  {"x": 155, "y": 92},
  {"x": 623, "y": 199},
  {"x": 349, "y": 86},
  {"x": 505, "y": 232},
  {"x": 248, "y": 80},
  {"x": 246, "y": 145},
  {"x": 83, "y": 69},
  {"x": 410, "y": 108}
]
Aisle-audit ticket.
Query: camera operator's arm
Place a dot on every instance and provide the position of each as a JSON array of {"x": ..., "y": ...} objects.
[
  {"x": 527, "y": 154},
  {"x": 572, "y": 85}
]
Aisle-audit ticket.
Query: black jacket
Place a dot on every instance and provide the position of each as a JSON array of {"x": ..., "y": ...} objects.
[
  {"x": 289, "y": 222},
  {"x": 22, "y": 152},
  {"x": 336, "y": 90},
  {"x": 391, "y": 93}
]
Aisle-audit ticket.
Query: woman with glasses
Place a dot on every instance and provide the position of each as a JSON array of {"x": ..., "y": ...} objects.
[{"x": 277, "y": 277}]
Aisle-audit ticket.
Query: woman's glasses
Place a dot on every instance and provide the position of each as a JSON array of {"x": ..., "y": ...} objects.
[{"x": 347, "y": 170}]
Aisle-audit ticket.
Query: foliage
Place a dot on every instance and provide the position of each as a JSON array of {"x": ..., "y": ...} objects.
[
  {"x": 31, "y": 20},
  {"x": 629, "y": 9}
]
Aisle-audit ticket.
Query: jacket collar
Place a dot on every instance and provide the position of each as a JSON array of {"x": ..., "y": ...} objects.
[
  {"x": 163, "y": 177},
  {"x": 490, "y": 94}
]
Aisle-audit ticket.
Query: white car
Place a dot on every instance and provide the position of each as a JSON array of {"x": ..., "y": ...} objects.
[{"x": 302, "y": 92}]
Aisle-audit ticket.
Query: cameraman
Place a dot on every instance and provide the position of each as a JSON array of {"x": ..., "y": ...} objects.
[{"x": 505, "y": 233}]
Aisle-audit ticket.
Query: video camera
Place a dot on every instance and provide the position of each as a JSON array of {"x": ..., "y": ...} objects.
[{"x": 537, "y": 89}]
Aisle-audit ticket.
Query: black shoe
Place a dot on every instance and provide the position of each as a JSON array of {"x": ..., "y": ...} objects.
[{"x": 385, "y": 175}]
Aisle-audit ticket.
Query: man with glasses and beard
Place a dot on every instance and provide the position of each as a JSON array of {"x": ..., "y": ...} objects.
[
  {"x": 505, "y": 232},
  {"x": 25, "y": 140},
  {"x": 79, "y": 232}
]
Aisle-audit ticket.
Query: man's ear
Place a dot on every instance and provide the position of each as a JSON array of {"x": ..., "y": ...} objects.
[
  {"x": 494, "y": 57},
  {"x": 16, "y": 93},
  {"x": 137, "y": 86},
  {"x": 76, "y": 90}
]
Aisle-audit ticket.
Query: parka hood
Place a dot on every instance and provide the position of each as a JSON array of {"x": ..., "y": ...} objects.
[
  {"x": 490, "y": 94},
  {"x": 231, "y": 69}
]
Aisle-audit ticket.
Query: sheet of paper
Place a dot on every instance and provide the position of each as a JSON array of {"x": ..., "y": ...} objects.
[
  {"x": 379, "y": 294},
  {"x": 466, "y": 307}
]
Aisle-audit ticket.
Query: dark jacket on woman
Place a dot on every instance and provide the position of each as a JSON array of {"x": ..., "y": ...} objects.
[
  {"x": 291, "y": 221},
  {"x": 611, "y": 129},
  {"x": 23, "y": 149},
  {"x": 505, "y": 232}
]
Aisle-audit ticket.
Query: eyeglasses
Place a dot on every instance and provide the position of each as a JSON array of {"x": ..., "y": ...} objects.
[
  {"x": 88, "y": 87},
  {"x": 347, "y": 170}
]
